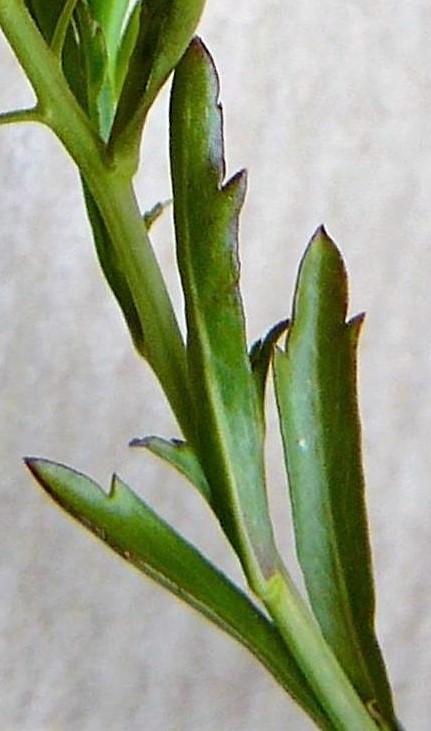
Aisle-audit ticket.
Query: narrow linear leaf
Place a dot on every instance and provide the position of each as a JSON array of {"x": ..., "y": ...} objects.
[
  {"x": 261, "y": 353},
  {"x": 128, "y": 525},
  {"x": 111, "y": 15},
  {"x": 179, "y": 455},
  {"x": 74, "y": 33},
  {"x": 47, "y": 17},
  {"x": 315, "y": 385},
  {"x": 125, "y": 50},
  {"x": 165, "y": 30},
  {"x": 62, "y": 26},
  {"x": 230, "y": 437},
  {"x": 100, "y": 101},
  {"x": 106, "y": 48}
]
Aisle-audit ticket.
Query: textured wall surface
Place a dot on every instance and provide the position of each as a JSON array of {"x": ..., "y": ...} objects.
[{"x": 329, "y": 107}]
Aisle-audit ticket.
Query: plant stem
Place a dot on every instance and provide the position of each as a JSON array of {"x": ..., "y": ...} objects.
[
  {"x": 111, "y": 186},
  {"x": 20, "y": 115},
  {"x": 324, "y": 674},
  {"x": 62, "y": 26},
  {"x": 163, "y": 344}
]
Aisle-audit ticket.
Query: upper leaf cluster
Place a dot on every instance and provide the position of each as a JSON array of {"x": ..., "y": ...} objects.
[{"x": 116, "y": 55}]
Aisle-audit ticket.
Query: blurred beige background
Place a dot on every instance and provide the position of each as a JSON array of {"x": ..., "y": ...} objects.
[{"x": 328, "y": 105}]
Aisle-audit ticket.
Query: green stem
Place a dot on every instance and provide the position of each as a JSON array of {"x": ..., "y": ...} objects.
[
  {"x": 303, "y": 637},
  {"x": 113, "y": 192},
  {"x": 59, "y": 36},
  {"x": 20, "y": 115},
  {"x": 163, "y": 344}
]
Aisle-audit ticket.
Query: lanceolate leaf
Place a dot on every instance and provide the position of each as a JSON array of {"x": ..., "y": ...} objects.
[
  {"x": 228, "y": 425},
  {"x": 315, "y": 383},
  {"x": 125, "y": 522}
]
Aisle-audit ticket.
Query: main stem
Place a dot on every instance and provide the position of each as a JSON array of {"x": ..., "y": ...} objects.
[
  {"x": 111, "y": 186},
  {"x": 163, "y": 344}
]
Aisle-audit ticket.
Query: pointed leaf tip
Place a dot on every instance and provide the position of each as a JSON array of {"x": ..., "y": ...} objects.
[
  {"x": 260, "y": 355},
  {"x": 64, "y": 483},
  {"x": 180, "y": 455},
  {"x": 322, "y": 289}
]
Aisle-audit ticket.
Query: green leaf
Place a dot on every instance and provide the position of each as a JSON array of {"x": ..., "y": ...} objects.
[
  {"x": 315, "y": 384},
  {"x": 111, "y": 15},
  {"x": 261, "y": 353},
  {"x": 125, "y": 50},
  {"x": 107, "y": 48},
  {"x": 100, "y": 101},
  {"x": 46, "y": 15},
  {"x": 179, "y": 455},
  {"x": 228, "y": 425},
  {"x": 88, "y": 50},
  {"x": 128, "y": 525},
  {"x": 62, "y": 27},
  {"x": 165, "y": 30}
]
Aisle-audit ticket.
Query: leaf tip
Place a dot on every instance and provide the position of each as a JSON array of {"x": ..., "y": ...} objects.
[
  {"x": 322, "y": 281},
  {"x": 115, "y": 486},
  {"x": 37, "y": 467},
  {"x": 354, "y": 327},
  {"x": 321, "y": 238},
  {"x": 142, "y": 442}
]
